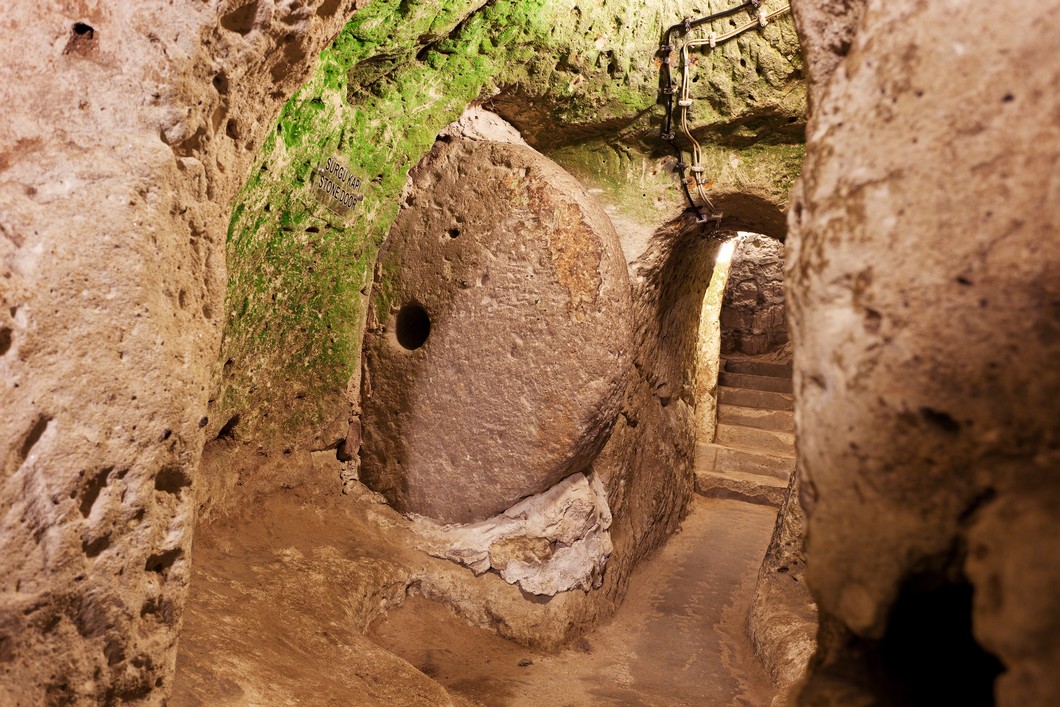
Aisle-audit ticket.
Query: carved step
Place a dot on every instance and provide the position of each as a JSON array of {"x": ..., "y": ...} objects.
[
  {"x": 752, "y": 488},
  {"x": 746, "y": 380},
  {"x": 758, "y": 368},
  {"x": 780, "y": 420},
  {"x": 770, "y": 441},
  {"x": 763, "y": 400},
  {"x": 716, "y": 457}
]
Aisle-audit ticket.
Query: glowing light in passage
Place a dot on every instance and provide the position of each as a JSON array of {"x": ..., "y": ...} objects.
[{"x": 726, "y": 251}]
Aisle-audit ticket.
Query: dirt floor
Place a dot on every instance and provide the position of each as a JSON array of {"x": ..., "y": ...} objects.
[
  {"x": 283, "y": 599},
  {"x": 678, "y": 639},
  {"x": 277, "y": 608}
]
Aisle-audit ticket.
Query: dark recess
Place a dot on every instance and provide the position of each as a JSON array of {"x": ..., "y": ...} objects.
[
  {"x": 930, "y": 654},
  {"x": 413, "y": 326},
  {"x": 941, "y": 420},
  {"x": 241, "y": 20},
  {"x": 229, "y": 428},
  {"x": 83, "y": 40},
  {"x": 31, "y": 439},
  {"x": 162, "y": 561},
  {"x": 92, "y": 490}
]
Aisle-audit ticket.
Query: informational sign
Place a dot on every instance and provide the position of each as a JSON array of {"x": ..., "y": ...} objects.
[{"x": 335, "y": 185}]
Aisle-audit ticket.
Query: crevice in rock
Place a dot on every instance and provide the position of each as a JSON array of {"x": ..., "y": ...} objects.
[
  {"x": 92, "y": 489},
  {"x": 242, "y": 19},
  {"x": 17, "y": 457}
]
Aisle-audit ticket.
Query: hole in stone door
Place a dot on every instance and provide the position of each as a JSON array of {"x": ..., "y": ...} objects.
[{"x": 413, "y": 326}]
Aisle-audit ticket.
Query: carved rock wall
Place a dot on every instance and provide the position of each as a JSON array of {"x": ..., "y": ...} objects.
[
  {"x": 753, "y": 320},
  {"x": 923, "y": 296},
  {"x": 128, "y": 129}
]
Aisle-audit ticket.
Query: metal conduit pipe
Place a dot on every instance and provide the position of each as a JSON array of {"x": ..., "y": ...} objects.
[
  {"x": 667, "y": 87},
  {"x": 685, "y": 101}
]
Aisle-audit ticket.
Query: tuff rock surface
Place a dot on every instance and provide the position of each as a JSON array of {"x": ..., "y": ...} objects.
[
  {"x": 128, "y": 129},
  {"x": 923, "y": 297},
  {"x": 782, "y": 623}
]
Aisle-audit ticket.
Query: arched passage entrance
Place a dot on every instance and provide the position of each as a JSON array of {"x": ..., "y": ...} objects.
[{"x": 745, "y": 428}]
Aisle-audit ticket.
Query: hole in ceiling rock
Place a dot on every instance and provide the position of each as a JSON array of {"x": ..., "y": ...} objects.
[
  {"x": 83, "y": 40},
  {"x": 413, "y": 326}
]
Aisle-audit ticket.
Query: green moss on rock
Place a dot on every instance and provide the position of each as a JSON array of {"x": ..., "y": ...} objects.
[
  {"x": 397, "y": 73},
  {"x": 298, "y": 274}
]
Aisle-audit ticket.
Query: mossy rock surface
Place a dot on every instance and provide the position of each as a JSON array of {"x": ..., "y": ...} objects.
[{"x": 580, "y": 82}]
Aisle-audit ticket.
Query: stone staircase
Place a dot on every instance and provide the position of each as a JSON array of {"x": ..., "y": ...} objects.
[{"x": 753, "y": 454}]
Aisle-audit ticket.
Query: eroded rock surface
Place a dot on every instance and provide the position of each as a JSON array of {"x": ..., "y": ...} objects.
[
  {"x": 497, "y": 358},
  {"x": 752, "y": 314},
  {"x": 128, "y": 129},
  {"x": 924, "y": 296},
  {"x": 783, "y": 620}
]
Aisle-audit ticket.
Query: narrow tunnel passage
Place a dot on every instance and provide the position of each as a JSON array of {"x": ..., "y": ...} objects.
[
  {"x": 200, "y": 299},
  {"x": 746, "y": 450},
  {"x": 680, "y": 634},
  {"x": 679, "y": 637}
]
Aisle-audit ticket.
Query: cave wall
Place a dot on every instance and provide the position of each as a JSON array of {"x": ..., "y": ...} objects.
[
  {"x": 580, "y": 83},
  {"x": 923, "y": 300},
  {"x": 128, "y": 130},
  {"x": 647, "y": 464},
  {"x": 753, "y": 320}
]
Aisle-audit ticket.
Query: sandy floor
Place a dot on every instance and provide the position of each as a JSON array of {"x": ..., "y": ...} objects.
[{"x": 281, "y": 594}]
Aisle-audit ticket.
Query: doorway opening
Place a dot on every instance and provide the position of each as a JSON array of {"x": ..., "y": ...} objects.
[{"x": 745, "y": 426}]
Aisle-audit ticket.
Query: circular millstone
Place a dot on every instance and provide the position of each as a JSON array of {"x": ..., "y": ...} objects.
[{"x": 497, "y": 353}]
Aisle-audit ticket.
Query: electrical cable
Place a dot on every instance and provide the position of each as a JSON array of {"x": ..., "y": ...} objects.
[{"x": 667, "y": 89}]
